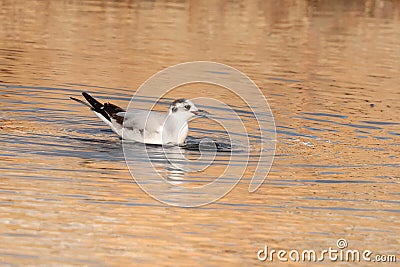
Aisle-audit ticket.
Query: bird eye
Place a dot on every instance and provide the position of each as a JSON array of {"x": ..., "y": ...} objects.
[{"x": 187, "y": 107}]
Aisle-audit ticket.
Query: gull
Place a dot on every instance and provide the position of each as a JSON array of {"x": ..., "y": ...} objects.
[{"x": 149, "y": 127}]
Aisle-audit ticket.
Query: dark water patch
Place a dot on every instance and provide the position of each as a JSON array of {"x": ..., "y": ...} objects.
[
  {"x": 222, "y": 133},
  {"x": 383, "y": 138},
  {"x": 220, "y": 72},
  {"x": 283, "y": 80},
  {"x": 361, "y": 126},
  {"x": 325, "y": 166},
  {"x": 277, "y": 94},
  {"x": 38, "y": 88},
  {"x": 285, "y": 127},
  {"x": 360, "y": 131},
  {"x": 19, "y": 255},
  {"x": 212, "y": 145},
  {"x": 381, "y": 122},
  {"x": 329, "y": 181},
  {"x": 94, "y": 86},
  {"x": 353, "y": 125},
  {"x": 333, "y": 199},
  {"x": 325, "y": 115},
  {"x": 315, "y": 119},
  {"x": 393, "y": 133},
  {"x": 331, "y": 173},
  {"x": 290, "y": 133},
  {"x": 346, "y": 209},
  {"x": 394, "y": 165},
  {"x": 319, "y": 129},
  {"x": 369, "y": 148},
  {"x": 20, "y": 235}
]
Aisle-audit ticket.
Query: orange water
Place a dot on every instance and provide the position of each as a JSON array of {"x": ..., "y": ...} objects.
[{"x": 329, "y": 69}]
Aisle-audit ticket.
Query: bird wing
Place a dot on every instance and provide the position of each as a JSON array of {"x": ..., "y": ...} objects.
[
  {"x": 151, "y": 121},
  {"x": 136, "y": 121}
]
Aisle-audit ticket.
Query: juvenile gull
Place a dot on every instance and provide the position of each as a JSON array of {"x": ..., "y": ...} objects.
[{"x": 149, "y": 127}]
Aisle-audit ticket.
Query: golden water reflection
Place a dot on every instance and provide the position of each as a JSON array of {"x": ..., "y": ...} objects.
[{"x": 330, "y": 72}]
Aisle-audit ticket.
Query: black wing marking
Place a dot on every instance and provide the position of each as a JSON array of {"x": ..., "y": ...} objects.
[
  {"x": 107, "y": 110},
  {"x": 112, "y": 110},
  {"x": 96, "y": 105}
]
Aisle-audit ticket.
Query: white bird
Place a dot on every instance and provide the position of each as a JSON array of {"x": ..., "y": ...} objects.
[{"x": 149, "y": 127}]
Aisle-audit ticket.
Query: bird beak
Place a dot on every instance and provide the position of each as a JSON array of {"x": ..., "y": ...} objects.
[{"x": 200, "y": 113}]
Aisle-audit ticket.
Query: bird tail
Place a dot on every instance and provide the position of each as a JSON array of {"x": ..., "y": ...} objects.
[{"x": 93, "y": 104}]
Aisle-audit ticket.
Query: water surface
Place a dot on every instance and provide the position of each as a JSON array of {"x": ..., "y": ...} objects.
[{"x": 329, "y": 69}]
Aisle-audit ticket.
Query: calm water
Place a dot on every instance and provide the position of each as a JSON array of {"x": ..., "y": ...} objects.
[{"x": 329, "y": 69}]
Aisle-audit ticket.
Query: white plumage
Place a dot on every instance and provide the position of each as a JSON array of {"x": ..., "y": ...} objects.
[{"x": 149, "y": 127}]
